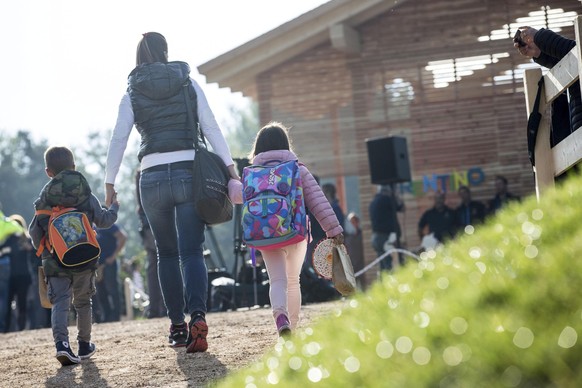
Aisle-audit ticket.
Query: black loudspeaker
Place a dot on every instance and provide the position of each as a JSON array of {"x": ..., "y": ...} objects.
[{"x": 388, "y": 160}]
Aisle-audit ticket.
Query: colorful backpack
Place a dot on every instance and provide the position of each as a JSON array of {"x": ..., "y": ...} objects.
[
  {"x": 273, "y": 212},
  {"x": 70, "y": 237}
]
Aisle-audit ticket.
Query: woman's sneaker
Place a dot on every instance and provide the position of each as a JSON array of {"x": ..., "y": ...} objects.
[
  {"x": 283, "y": 325},
  {"x": 197, "y": 335},
  {"x": 65, "y": 354},
  {"x": 178, "y": 335},
  {"x": 86, "y": 349}
]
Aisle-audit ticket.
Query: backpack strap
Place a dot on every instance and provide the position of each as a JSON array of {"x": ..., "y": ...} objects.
[
  {"x": 193, "y": 122},
  {"x": 267, "y": 163},
  {"x": 253, "y": 257},
  {"x": 533, "y": 123},
  {"x": 41, "y": 247},
  {"x": 44, "y": 243},
  {"x": 56, "y": 211}
]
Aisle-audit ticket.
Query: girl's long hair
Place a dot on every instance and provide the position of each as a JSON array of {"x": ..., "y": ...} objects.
[
  {"x": 152, "y": 48},
  {"x": 273, "y": 136}
]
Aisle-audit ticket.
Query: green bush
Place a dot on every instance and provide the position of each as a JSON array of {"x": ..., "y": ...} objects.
[{"x": 500, "y": 307}]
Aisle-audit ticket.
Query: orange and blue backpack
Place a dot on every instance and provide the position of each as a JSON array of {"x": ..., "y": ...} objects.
[{"x": 70, "y": 237}]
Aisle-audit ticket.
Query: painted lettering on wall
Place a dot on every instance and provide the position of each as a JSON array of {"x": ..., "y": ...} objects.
[{"x": 474, "y": 176}]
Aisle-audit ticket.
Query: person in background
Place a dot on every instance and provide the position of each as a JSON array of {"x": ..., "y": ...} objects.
[
  {"x": 156, "y": 307},
  {"x": 20, "y": 278},
  {"x": 272, "y": 144},
  {"x": 385, "y": 226},
  {"x": 112, "y": 240},
  {"x": 69, "y": 188},
  {"x": 502, "y": 196},
  {"x": 134, "y": 271},
  {"x": 469, "y": 212},
  {"x": 156, "y": 103},
  {"x": 547, "y": 48},
  {"x": 330, "y": 193},
  {"x": 315, "y": 288},
  {"x": 317, "y": 232},
  {"x": 438, "y": 220},
  {"x": 37, "y": 316},
  {"x": 354, "y": 242},
  {"x": 9, "y": 234}
]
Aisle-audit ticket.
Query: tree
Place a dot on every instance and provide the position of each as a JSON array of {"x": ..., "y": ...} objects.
[
  {"x": 22, "y": 173},
  {"x": 242, "y": 129}
]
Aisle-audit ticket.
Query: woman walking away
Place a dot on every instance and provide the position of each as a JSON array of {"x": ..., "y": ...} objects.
[
  {"x": 155, "y": 103},
  {"x": 272, "y": 146}
]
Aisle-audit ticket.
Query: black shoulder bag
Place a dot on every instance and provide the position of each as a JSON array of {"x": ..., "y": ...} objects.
[
  {"x": 533, "y": 123},
  {"x": 210, "y": 176}
]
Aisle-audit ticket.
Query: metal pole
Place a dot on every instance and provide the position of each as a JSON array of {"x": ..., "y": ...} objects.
[
  {"x": 216, "y": 246},
  {"x": 237, "y": 250},
  {"x": 255, "y": 284}
]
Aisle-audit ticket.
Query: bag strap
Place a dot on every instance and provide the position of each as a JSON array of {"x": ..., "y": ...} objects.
[
  {"x": 193, "y": 124},
  {"x": 536, "y": 106},
  {"x": 533, "y": 122}
]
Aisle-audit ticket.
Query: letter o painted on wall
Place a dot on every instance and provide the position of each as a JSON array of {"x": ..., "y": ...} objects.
[{"x": 475, "y": 176}]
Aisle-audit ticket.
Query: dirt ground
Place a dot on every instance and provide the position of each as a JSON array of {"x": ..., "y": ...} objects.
[{"x": 136, "y": 354}]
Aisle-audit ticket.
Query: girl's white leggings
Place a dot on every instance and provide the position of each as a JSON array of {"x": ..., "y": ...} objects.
[{"x": 284, "y": 266}]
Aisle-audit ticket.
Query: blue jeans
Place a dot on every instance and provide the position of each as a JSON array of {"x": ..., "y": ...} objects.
[{"x": 167, "y": 199}]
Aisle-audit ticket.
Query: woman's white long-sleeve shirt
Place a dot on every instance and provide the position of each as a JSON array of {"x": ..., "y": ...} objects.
[{"x": 125, "y": 123}]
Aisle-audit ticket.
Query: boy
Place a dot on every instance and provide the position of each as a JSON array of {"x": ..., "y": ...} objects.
[{"x": 69, "y": 188}]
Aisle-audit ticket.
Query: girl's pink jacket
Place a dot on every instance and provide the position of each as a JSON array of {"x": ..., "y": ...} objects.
[{"x": 315, "y": 200}]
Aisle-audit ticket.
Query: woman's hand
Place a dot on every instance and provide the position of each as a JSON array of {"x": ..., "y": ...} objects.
[
  {"x": 233, "y": 173},
  {"x": 530, "y": 50},
  {"x": 110, "y": 194},
  {"x": 338, "y": 239}
]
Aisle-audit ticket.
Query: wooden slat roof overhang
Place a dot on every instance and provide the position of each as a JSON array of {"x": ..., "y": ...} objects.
[{"x": 332, "y": 22}]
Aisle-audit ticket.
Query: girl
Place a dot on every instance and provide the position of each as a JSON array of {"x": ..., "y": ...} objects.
[{"x": 284, "y": 264}]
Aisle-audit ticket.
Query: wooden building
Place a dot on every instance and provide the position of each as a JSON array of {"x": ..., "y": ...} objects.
[{"x": 442, "y": 74}]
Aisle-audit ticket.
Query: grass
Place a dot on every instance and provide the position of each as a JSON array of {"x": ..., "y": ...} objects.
[{"x": 499, "y": 307}]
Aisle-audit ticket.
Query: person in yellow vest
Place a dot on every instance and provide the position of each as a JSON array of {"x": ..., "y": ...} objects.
[{"x": 9, "y": 232}]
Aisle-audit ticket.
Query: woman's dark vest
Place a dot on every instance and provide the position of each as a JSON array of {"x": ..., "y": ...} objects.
[{"x": 157, "y": 99}]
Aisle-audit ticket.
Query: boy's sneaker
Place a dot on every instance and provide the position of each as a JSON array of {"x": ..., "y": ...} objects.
[
  {"x": 65, "y": 354},
  {"x": 86, "y": 349},
  {"x": 197, "y": 335},
  {"x": 283, "y": 325},
  {"x": 178, "y": 335}
]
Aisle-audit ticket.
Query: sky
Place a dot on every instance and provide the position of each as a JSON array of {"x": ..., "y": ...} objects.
[{"x": 65, "y": 63}]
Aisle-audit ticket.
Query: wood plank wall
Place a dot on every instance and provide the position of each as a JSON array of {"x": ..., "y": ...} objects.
[{"x": 335, "y": 101}]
